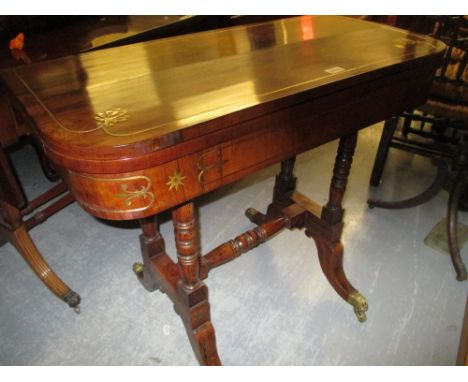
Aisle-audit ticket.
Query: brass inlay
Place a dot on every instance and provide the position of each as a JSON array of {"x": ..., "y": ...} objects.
[
  {"x": 175, "y": 181},
  {"x": 143, "y": 192},
  {"x": 202, "y": 168},
  {"x": 130, "y": 195},
  {"x": 360, "y": 304},
  {"x": 111, "y": 117}
]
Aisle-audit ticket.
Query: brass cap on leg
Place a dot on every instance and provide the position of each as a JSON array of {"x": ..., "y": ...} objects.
[{"x": 360, "y": 304}]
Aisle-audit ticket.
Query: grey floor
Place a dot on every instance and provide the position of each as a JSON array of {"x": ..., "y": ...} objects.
[{"x": 273, "y": 306}]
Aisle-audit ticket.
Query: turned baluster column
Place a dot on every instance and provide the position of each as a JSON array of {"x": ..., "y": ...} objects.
[
  {"x": 193, "y": 305},
  {"x": 285, "y": 185},
  {"x": 332, "y": 213},
  {"x": 186, "y": 239}
]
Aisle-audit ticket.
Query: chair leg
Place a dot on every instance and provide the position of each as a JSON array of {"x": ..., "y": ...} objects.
[
  {"x": 426, "y": 195},
  {"x": 382, "y": 151},
  {"x": 454, "y": 198}
]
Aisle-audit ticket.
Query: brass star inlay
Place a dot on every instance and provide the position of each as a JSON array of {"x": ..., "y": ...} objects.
[{"x": 175, "y": 181}]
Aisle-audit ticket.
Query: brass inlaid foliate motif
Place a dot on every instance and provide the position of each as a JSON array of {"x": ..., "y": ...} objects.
[
  {"x": 176, "y": 180},
  {"x": 129, "y": 195},
  {"x": 111, "y": 117},
  {"x": 142, "y": 193}
]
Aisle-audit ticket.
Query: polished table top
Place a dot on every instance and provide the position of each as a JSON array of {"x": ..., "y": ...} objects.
[{"x": 139, "y": 98}]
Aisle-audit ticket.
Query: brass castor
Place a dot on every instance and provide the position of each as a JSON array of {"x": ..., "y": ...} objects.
[{"x": 73, "y": 300}]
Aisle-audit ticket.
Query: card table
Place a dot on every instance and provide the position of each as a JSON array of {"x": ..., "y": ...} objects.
[
  {"x": 51, "y": 37},
  {"x": 144, "y": 128}
]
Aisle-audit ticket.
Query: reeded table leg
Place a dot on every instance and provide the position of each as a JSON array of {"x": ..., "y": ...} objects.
[
  {"x": 20, "y": 238},
  {"x": 24, "y": 244},
  {"x": 13, "y": 208}
]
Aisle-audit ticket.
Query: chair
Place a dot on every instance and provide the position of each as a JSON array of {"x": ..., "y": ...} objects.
[{"x": 439, "y": 130}]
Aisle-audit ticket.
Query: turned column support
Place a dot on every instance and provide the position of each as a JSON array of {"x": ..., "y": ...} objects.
[
  {"x": 285, "y": 183},
  {"x": 192, "y": 302},
  {"x": 332, "y": 213},
  {"x": 186, "y": 239}
]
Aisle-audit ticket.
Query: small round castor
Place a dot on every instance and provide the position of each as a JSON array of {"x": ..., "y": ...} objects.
[
  {"x": 255, "y": 216},
  {"x": 149, "y": 284},
  {"x": 250, "y": 213},
  {"x": 73, "y": 300},
  {"x": 138, "y": 269},
  {"x": 462, "y": 275}
]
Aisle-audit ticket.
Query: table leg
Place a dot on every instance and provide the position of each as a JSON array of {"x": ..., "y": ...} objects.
[
  {"x": 323, "y": 226},
  {"x": 21, "y": 240},
  {"x": 330, "y": 249},
  {"x": 25, "y": 245},
  {"x": 193, "y": 293},
  {"x": 152, "y": 245},
  {"x": 180, "y": 281}
]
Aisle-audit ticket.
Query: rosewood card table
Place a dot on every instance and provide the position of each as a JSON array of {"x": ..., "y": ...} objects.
[
  {"x": 141, "y": 129},
  {"x": 44, "y": 41}
]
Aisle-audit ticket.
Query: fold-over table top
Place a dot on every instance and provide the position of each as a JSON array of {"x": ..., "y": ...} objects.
[{"x": 148, "y": 96}]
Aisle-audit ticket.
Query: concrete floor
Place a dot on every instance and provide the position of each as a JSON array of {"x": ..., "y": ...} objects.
[{"x": 273, "y": 306}]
